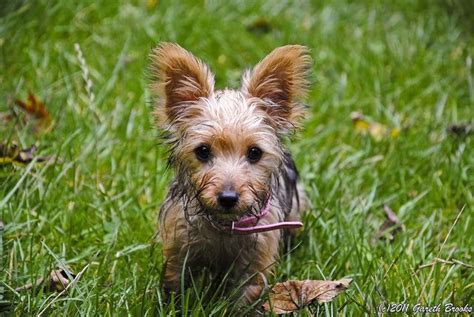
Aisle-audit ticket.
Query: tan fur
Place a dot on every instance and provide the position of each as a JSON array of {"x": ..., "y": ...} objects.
[
  {"x": 282, "y": 78},
  {"x": 229, "y": 123},
  {"x": 178, "y": 77}
]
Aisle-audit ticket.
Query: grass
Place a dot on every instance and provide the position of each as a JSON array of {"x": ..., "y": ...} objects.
[{"x": 404, "y": 64}]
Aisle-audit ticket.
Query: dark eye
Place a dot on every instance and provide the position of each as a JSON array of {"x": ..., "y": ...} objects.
[
  {"x": 254, "y": 154},
  {"x": 203, "y": 153}
]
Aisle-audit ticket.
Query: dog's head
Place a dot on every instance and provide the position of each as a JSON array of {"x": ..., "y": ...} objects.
[{"x": 227, "y": 144}]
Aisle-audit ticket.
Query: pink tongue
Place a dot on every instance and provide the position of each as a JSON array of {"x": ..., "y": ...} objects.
[
  {"x": 248, "y": 224},
  {"x": 252, "y": 220}
]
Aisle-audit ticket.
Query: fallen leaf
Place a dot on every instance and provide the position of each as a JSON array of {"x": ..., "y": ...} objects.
[
  {"x": 58, "y": 280},
  {"x": 8, "y": 151},
  {"x": 11, "y": 154},
  {"x": 461, "y": 129},
  {"x": 37, "y": 110},
  {"x": 360, "y": 123},
  {"x": 259, "y": 26},
  {"x": 391, "y": 226},
  {"x": 6, "y": 117},
  {"x": 293, "y": 295},
  {"x": 394, "y": 133},
  {"x": 376, "y": 130},
  {"x": 33, "y": 107},
  {"x": 151, "y": 4}
]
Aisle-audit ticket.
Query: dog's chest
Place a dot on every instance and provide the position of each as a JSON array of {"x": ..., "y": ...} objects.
[{"x": 218, "y": 249}]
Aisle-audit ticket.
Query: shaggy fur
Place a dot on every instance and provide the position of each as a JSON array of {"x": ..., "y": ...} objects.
[{"x": 229, "y": 123}]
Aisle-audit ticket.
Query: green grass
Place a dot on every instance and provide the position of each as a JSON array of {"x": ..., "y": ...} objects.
[{"x": 402, "y": 63}]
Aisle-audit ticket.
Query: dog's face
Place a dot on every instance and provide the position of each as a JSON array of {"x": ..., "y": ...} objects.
[{"x": 226, "y": 145}]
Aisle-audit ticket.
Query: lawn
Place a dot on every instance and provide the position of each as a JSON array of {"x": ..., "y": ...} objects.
[{"x": 405, "y": 65}]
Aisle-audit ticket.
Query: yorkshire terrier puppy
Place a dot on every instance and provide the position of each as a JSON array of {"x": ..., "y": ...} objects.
[{"x": 235, "y": 191}]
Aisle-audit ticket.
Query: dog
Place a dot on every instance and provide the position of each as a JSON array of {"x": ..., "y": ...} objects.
[{"x": 235, "y": 192}]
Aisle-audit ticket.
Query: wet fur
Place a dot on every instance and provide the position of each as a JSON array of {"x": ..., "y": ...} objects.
[{"x": 191, "y": 113}]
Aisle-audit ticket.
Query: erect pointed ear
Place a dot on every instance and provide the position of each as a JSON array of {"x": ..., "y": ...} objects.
[
  {"x": 179, "y": 80},
  {"x": 281, "y": 81}
]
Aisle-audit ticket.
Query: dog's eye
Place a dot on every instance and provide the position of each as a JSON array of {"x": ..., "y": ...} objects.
[
  {"x": 203, "y": 153},
  {"x": 254, "y": 154}
]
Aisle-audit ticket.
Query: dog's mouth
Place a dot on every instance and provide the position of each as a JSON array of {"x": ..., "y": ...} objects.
[
  {"x": 250, "y": 216},
  {"x": 248, "y": 223},
  {"x": 224, "y": 219}
]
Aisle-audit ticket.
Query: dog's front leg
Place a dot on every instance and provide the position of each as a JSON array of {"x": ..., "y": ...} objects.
[{"x": 172, "y": 275}]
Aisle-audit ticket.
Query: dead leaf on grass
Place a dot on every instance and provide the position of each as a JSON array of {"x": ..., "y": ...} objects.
[
  {"x": 293, "y": 295},
  {"x": 36, "y": 109},
  {"x": 12, "y": 154},
  {"x": 377, "y": 131},
  {"x": 259, "y": 26},
  {"x": 6, "y": 117},
  {"x": 461, "y": 129},
  {"x": 151, "y": 4},
  {"x": 391, "y": 226},
  {"x": 57, "y": 281}
]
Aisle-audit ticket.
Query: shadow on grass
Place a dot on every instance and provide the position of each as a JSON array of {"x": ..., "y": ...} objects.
[{"x": 462, "y": 11}]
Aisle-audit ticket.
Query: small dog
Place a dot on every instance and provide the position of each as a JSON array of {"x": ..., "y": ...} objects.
[{"x": 235, "y": 190}]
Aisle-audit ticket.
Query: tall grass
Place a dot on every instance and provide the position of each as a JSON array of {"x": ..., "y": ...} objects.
[{"x": 403, "y": 64}]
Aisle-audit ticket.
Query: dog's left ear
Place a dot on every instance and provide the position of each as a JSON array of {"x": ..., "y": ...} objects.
[{"x": 281, "y": 81}]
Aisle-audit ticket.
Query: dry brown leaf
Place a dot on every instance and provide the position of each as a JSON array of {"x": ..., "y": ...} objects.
[
  {"x": 293, "y": 295},
  {"x": 37, "y": 110},
  {"x": 33, "y": 107},
  {"x": 260, "y": 26},
  {"x": 6, "y": 117},
  {"x": 8, "y": 150},
  {"x": 461, "y": 129},
  {"x": 391, "y": 226},
  {"x": 58, "y": 280},
  {"x": 12, "y": 154}
]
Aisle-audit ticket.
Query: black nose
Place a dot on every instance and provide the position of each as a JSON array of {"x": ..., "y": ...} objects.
[{"x": 228, "y": 199}]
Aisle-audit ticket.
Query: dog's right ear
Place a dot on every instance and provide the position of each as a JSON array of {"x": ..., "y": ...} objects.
[{"x": 179, "y": 80}]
